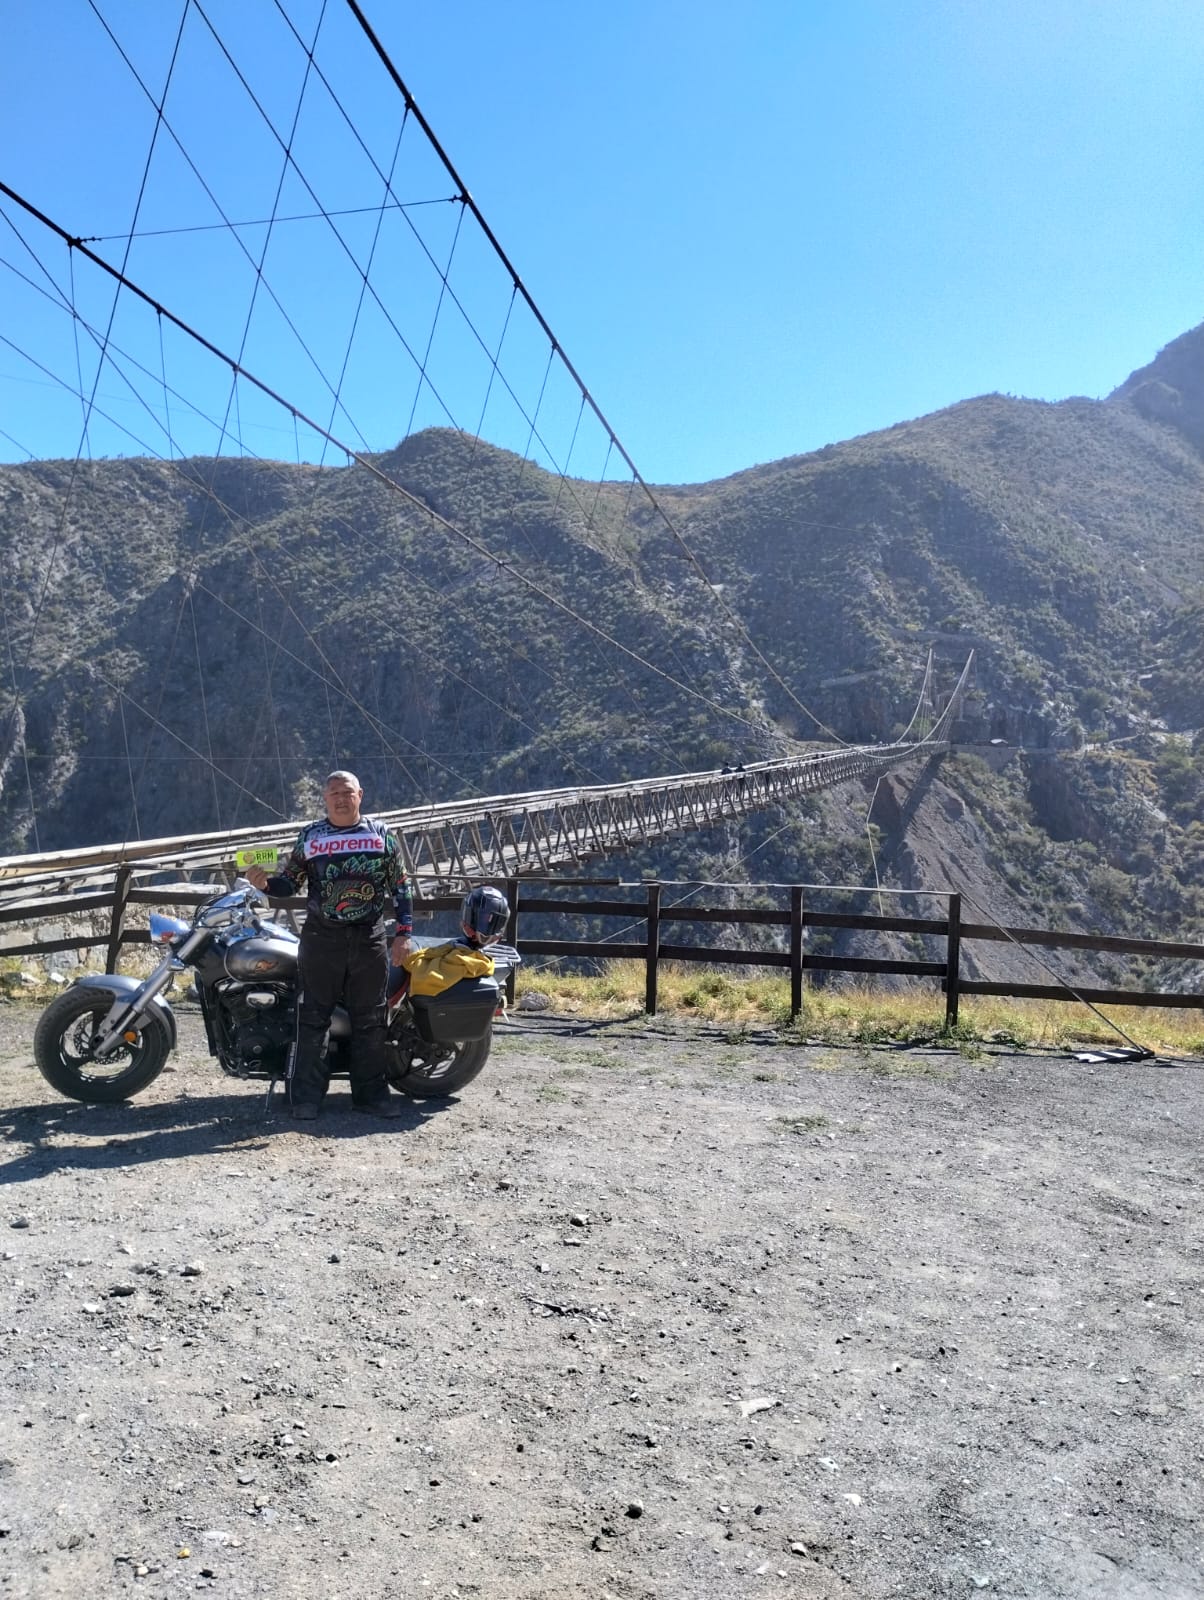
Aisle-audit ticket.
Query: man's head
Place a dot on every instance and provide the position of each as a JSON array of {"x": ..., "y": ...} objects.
[{"x": 342, "y": 795}]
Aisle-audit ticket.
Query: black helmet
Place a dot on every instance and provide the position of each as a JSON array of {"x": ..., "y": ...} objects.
[{"x": 484, "y": 914}]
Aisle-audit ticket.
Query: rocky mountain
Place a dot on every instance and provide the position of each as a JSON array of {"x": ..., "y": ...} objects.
[
  {"x": 1171, "y": 388},
  {"x": 190, "y": 645}
]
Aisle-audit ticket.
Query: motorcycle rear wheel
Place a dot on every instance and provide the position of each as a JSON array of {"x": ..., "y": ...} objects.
[
  {"x": 60, "y": 1049},
  {"x": 445, "y": 1075}
]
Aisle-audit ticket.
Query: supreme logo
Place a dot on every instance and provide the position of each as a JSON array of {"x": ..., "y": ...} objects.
[{"x": 358, "y": 844}]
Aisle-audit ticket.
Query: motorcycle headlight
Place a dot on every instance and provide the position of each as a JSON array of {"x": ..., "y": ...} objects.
[{"x": 163, "y": 929}]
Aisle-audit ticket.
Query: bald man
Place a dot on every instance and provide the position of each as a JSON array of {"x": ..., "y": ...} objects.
[{"x": 352, "y": 870}]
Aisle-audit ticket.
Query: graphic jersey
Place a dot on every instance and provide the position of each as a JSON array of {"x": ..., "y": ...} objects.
[{"x": 351, "y": 873}]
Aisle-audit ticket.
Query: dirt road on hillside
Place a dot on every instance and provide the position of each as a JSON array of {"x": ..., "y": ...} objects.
[{"x": 649, "y": 1312}]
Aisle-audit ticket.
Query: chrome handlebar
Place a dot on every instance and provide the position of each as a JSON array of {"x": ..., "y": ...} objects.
[{"x": 240, "y": 905}]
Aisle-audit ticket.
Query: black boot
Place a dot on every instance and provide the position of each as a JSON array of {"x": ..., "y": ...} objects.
[{"x": 385, "y": 1106}]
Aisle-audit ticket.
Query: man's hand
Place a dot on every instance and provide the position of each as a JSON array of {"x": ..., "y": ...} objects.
[
  {"x": 401, "y": 949},
  {"x": 256, "y": 876}
]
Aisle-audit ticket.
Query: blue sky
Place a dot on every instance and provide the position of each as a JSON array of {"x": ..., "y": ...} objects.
[{"x": 754, "y": 230}]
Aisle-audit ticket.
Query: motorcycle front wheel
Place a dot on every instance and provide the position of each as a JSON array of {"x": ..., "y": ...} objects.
[
  {"x": 448, "y": 1070},
  {"x": 61, "y": 1049}
]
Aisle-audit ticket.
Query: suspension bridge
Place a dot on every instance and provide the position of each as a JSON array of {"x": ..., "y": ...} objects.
[
  {"x": 452, "y": 845},
  {"x": 200, "y": 380}
]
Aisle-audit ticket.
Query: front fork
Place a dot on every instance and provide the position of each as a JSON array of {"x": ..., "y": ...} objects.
[{"x": 122, "y": 1013}]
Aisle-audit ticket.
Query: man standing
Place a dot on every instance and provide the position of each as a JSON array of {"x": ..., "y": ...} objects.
[{"x": 353, "y": 868}]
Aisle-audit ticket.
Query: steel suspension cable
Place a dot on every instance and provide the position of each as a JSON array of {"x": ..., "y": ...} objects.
[
  {"x": 234, "y": 519},
  {"x": 5, "y": 754},
  {"x": 234, "y": 67},
  {"x": 461, "y": 196},
  {"x": 259, "y": 222},
  {"x": 370, "y": 467},
  {"x": 129, "y": 765},
  {"x": 346, "y": 694},
  {"x": 192, "y": 750},
  {"x": 554, "y": 347},
  {"x": 413, "y": 108},
  {"x": 286, "y": 162},
  {"x": 430, "y": 338},
  {"x": 230, "y": 227},
  {"x": 17, "y": 445},
  {"x": 207, "y": 489},
  {"x": 33, "y": 632},
  {"x": 441, "y": 272},
  {"x": 349, "y": 347},
  {"x": 525, "y": 461}
]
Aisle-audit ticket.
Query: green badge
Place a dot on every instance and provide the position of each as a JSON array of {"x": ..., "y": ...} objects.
[{"x": 255, "y": 858}]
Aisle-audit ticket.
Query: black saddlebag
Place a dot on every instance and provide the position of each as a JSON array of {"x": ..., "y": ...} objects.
[{"x": 465, "y": 1011}]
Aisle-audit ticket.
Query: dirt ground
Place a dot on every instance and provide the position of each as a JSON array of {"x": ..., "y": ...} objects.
[{"x": 649, "y": 1312}]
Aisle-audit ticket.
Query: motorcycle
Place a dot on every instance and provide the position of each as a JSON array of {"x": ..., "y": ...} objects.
[{"x": 108, "y": 1036}]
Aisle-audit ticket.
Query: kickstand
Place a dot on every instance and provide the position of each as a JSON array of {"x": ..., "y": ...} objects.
[{"x": 267, "y": 1103}]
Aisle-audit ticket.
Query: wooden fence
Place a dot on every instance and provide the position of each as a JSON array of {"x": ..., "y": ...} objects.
[{"x": 648, "y": 908}]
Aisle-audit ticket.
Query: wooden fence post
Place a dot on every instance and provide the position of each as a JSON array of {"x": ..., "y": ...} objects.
[
  {"x": 511, "y": 932},
  {"x": 796, "y": 950},
  {"x": 654, "y": 942},
  {"x": 121, "y": 893},
  {"x": 953, "y": 954}
]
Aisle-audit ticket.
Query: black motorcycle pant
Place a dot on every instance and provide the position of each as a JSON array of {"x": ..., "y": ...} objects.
[{"x": 347, "y": 964}]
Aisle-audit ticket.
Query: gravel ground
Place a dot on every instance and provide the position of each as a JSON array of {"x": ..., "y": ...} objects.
[{"x": 649, "y": 1312}]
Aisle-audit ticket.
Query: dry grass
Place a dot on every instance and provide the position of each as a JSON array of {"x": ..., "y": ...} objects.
[
  {"x": 835, "y": 1016},
  {"x": 863, "y": 1015}
]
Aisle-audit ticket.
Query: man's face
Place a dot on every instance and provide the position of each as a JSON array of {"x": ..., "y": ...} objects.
[{"x": 342, "y": 802}]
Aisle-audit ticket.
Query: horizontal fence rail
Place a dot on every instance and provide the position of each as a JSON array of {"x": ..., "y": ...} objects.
[{"x": 649, "y": 912}]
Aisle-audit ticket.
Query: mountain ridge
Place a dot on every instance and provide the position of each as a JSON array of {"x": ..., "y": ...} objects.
[
  {"x": 284, "y": 619},
  {"x": 1170, "y": 388}
]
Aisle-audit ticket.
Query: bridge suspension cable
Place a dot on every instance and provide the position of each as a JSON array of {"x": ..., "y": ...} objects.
[
  {"x": 381, "y": 476},
  {"x": 669, "y": 522}
]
